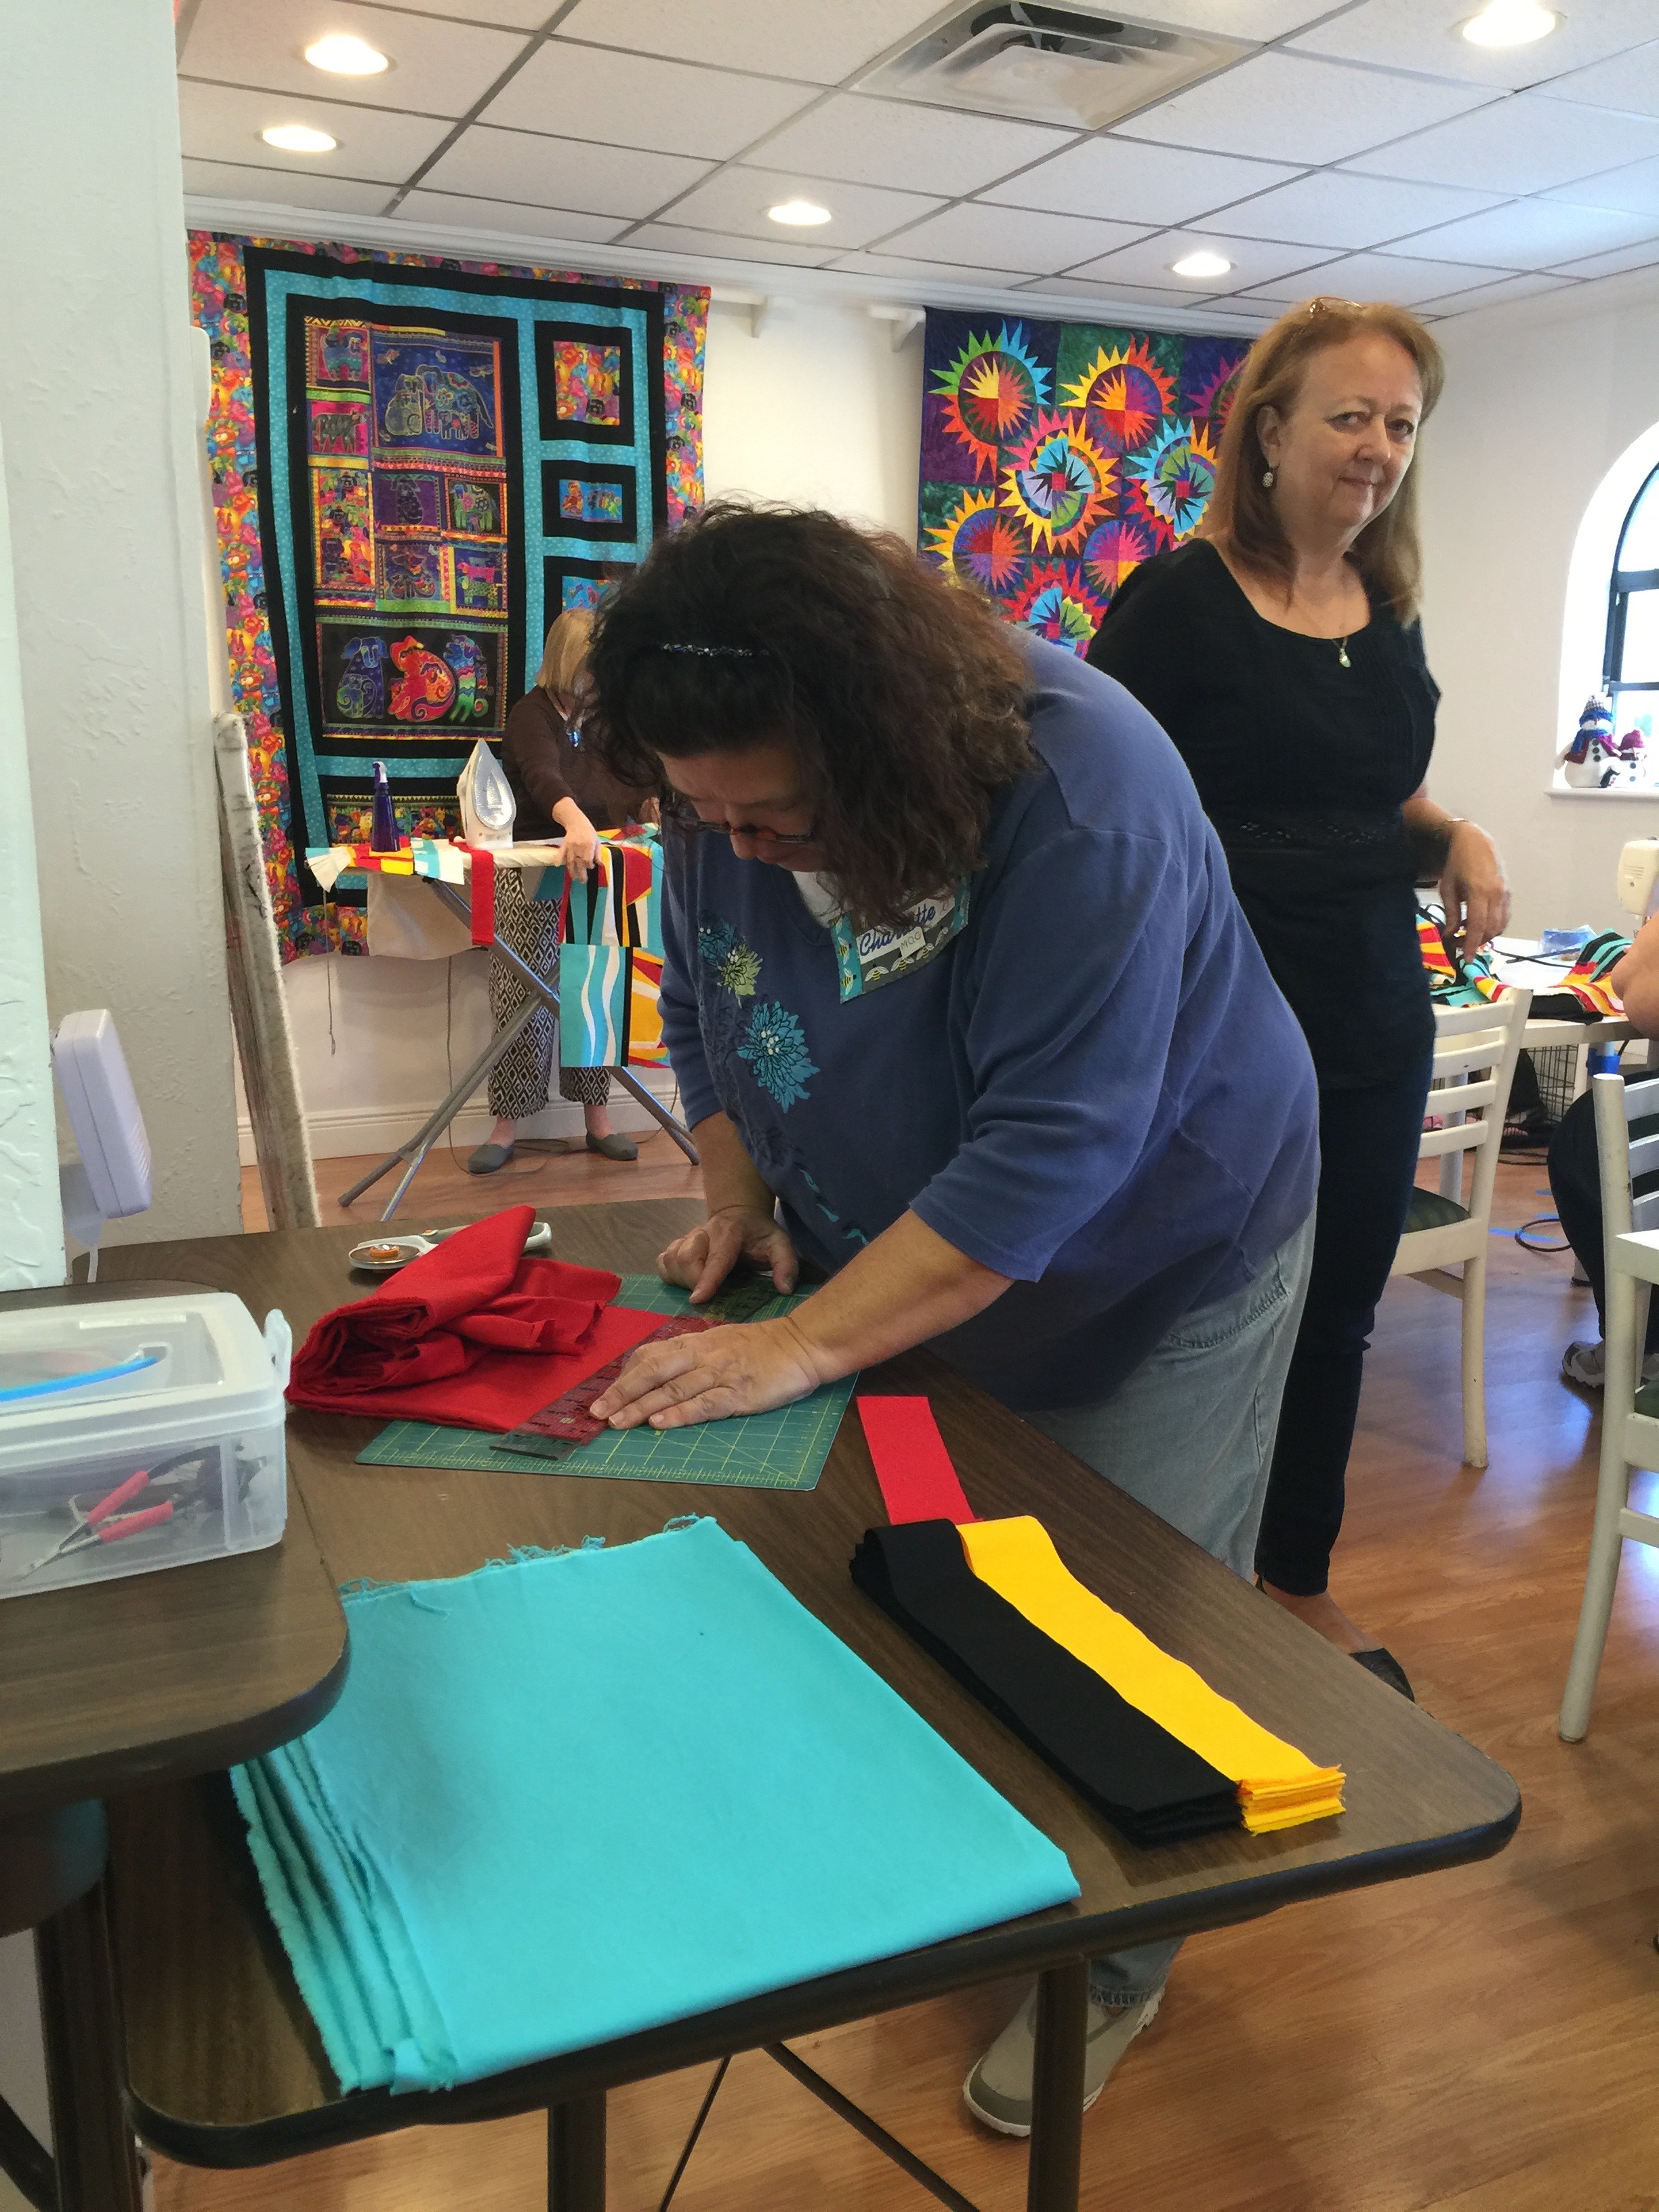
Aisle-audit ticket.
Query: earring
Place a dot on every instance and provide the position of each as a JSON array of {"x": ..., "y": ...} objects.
[{"x": 1268, "y": 478}]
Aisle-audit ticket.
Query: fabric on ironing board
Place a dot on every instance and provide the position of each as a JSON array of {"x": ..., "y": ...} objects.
[
  {"x": 1278, "y": 1786},
  {"x": 1152, "y": 1789},
  {"x": 918, "y": 1481},
  {"x": 569, "y": 1798}
]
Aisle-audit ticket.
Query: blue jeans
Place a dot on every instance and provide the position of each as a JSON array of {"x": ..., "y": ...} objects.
[{"x": 1191, "y": 1436}]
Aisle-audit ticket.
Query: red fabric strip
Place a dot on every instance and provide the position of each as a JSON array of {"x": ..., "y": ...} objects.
[
  {"x": 918, "y": 1482},
  {"x": 483, "y": 895}
]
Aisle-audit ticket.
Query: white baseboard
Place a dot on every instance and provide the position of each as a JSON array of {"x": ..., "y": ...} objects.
[{"x": 357, "y": 1131}]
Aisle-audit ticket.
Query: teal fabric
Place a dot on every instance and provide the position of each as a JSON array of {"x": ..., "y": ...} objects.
[
  {"x": 1428, "y": 1210},
  {"x": 570, "y": 1798}
]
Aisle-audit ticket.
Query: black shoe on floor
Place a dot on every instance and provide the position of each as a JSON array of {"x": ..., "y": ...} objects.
[{"x": 1387, "y": 1668}]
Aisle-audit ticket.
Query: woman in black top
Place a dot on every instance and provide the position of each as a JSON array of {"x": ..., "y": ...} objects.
[
  {"x": 1282, "y": 653},
  {"x": 562, "y": 791}
]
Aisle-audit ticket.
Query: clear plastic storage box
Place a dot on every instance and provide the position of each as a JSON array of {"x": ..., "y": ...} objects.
[{"x": 136, "y": 1434}]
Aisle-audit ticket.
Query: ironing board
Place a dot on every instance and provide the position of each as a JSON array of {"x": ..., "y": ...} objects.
[{"x": 452, "y": 895}]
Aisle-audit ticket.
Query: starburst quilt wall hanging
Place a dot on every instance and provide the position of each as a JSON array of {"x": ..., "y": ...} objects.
[{"x": 1056, "y": 457}]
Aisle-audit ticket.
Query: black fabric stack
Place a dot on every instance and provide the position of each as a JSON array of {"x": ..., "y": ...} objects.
[{"x": 1151, "y": 1787}]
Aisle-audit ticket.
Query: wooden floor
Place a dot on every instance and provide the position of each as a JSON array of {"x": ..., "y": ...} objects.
[
  {"x": 1485, "y": 2040},
  {"x": 532, "y": 1178}
]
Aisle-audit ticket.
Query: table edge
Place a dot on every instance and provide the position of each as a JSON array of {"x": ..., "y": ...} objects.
[{"x": 856, "y": 1993}]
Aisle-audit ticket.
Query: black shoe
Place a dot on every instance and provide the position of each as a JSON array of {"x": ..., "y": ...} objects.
[{"x": 1387, "y": 1668}]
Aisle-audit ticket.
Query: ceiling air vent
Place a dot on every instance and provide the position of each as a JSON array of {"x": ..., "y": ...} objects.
[{"x": 1049, "y": 64}]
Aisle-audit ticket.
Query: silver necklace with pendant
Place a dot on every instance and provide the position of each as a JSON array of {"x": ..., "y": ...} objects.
[{"x": 1342, "y": 652}]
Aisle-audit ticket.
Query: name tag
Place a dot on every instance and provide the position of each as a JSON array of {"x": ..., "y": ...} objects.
[{"x": 867, "y": 959}]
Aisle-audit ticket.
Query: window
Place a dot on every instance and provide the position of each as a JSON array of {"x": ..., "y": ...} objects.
[{"x": 1630, "y": 668}]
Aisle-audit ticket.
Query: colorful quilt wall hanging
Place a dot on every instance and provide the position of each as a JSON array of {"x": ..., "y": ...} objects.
[
  {"x": 1057, "y": 457},
  {"x": 417, "y": 463}
]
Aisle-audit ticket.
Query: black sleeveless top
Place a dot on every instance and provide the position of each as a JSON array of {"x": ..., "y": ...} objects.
[{"x": 1301, "y": 765}]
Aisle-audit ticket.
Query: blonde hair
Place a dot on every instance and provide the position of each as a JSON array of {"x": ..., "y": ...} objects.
[
  {"x": 565, "y": 654},
  {"x": 1241, "y": 516}
]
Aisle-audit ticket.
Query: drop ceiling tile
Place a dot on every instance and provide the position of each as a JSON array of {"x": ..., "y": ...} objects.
[
  {"x": 1529, "y": 235},
  {"x": 726, "y": 245},
  {"x": 634, "y": 99},
  {"x": 1492, "y": 295},
  {"x": 1289, "y": 107},
  {"x": 1635, "y": 189},
  {"x": 1631, "y": 82},
  {"x": 1522, "y": 143},
  {"x": 438, "y": 68},
  {"x": 228, "y": 180},
  {"x": 923, "y": 272},
  {"x": 458, "y": 211},
  {"x": 1131, "y": 182},
  {"x": 1380, "y": 277},
  {"x": 924, "y": 149},
  {"x": 504, "y": 14},
  {"x": 738, "y": 198},
  {"x": 821, "y": 41},
  {"x": 1255, "y": 262},
  {"x": 980, "y": 236},
  {"x": 522, "y": 165},
  {"x": 222, "y": 123},
  {"x": 1121, "y": 295},
  {"x": 1333, "y": 208},
  {"x": 1615, "y": 264},
  {"x": 1426, "y": 35}
]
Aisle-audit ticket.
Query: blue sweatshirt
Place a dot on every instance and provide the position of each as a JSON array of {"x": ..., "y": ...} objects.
[{"x": 1095, "y": 1087}]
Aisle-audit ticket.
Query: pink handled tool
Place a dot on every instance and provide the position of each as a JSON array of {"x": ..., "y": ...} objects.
[{"x": 99, "y": 1528}]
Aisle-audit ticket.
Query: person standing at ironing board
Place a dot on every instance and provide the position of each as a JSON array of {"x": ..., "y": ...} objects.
[
  {"x": 562, "y": 791},
  {"x": 962, "y": 1008}
]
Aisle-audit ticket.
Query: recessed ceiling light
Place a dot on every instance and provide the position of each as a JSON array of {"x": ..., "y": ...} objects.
[
  {"x": 344, "y": 55},
  {"x": 1510, "y": 23},
  {"x": 299, "y": 138},
  {"x": 799, "y": 214},
  {"x": 1202, "y": 263}
]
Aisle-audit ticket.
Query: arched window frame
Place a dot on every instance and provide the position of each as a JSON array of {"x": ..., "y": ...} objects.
[
  {"x": 1586, "y": 609},
  {"x": 1620, "y": 672}
]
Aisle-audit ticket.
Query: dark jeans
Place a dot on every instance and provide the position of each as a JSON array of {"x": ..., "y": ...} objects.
[
  {"x": 1575, "y": 1187},
  {"x": 1368, "y": 1142}
]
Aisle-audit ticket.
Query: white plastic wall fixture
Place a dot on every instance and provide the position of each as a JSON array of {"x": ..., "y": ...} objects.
[{"x": 103, "y": 1111}]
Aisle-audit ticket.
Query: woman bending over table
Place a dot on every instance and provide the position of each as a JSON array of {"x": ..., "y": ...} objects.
[
  {"x": 562, "y": 791},
  {"x": 963, "y": 1009},
  {"x": 1282, "y": 652}
]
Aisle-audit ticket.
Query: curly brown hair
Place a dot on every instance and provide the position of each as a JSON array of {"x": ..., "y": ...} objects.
[
  {"x": 1241, "y": 516},
  {"x": 904, "y": 697}
]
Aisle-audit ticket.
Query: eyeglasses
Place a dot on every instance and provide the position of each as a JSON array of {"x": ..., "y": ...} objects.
[{"x": 681, "y": 817}]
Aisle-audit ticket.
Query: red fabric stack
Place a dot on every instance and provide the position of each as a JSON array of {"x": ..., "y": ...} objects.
[{"x": 472, "y": 1335}]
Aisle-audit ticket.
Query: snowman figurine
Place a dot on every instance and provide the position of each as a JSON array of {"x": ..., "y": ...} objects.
[{"x": 1592, "y": 760}]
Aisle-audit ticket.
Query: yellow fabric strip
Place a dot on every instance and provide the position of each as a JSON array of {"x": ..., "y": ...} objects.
[{"x": 1278, "y": 1786}]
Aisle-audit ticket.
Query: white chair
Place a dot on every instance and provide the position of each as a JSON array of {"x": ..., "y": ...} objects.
[
  {"x": 1475, "y": 1050},
  {"x": 1630, "y": 1435}
]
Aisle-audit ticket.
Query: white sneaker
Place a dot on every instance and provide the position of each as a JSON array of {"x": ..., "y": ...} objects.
[
  {"x": 998, "y": 2090},
  {"x": 1587, "y": 1364}
]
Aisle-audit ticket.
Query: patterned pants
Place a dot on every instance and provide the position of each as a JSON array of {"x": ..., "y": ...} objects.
[{"x": 518, "y": 1080}]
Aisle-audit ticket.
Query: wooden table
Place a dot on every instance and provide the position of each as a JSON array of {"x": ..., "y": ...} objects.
[
  {"x": 224, "y": 2065},
  {"x": 102, "y": 1689}
]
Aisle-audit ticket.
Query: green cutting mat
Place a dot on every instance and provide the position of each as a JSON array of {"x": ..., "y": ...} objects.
[{"x": 785, "y": 1450}]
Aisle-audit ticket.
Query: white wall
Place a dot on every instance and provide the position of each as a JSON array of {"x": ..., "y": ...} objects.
[
  {"x": 1542, "y": 399},
  {"x": 102, "y": 474},
  {"x": 31, "y": 1223},
  {"x": 819, "y": 409}
]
